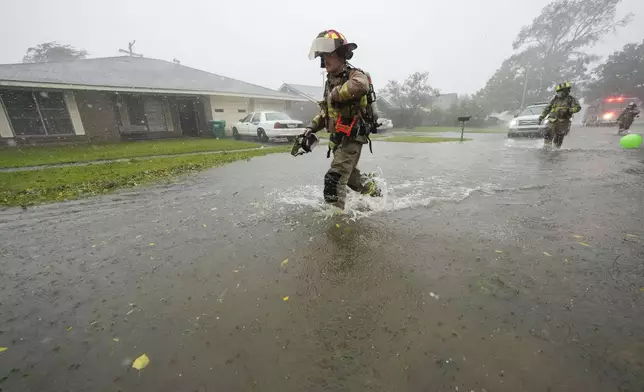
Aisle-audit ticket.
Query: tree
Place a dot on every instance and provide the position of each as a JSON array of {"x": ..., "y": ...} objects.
[
  {"x": 411, "y": 97},
  {"x": 468, "y": 106},
  {"x": 51, "y": 51},
  {"x": 552, "y": 49},
  {"x": 622, "y": 73},
  {"x": 565, "y": 26}
]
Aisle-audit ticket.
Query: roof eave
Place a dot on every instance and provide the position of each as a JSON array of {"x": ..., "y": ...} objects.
[
  {"x": 306, "y": 96},
  {"x": 65, "y": 86}
]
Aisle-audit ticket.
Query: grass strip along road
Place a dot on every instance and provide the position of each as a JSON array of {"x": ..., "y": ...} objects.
[
  {"x": 26, "y": 188},
  {"x": 423, "y": 139},
  {"x": 45, "y": 155},
  {"x": 450, "y": 129}
]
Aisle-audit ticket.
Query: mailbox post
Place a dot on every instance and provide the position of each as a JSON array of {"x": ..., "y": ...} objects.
[{"x": 463, "y": 120}]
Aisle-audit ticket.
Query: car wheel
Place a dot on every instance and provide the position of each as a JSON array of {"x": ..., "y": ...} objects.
[
  {"x": 261, "y": 136},
  {"x": 236, "y": 134}
]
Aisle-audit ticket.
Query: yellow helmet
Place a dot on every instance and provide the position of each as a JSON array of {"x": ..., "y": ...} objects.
[{"x": 563, "y": 86}]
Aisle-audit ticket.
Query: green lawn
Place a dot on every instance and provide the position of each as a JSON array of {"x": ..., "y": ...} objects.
[
  {"x": 423, "y": 139},
  {"x": 452, "y": 129},
  {"x": 24, "y": 188},
  {"x": 42, "y": 155}
]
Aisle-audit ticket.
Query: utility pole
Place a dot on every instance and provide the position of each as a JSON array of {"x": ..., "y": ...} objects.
[
  {"x": 525, "y": 86},
  {"x": 130, "y": 45}
]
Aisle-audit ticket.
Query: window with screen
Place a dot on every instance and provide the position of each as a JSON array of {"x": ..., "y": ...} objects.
[
  {"x": 38, "y": 113},
  {"x": 54, "y": 113},
  {"x": 135, "y": 110}
]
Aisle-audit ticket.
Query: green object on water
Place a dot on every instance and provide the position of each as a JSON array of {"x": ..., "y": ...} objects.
[{"x": 631, "y": 141}]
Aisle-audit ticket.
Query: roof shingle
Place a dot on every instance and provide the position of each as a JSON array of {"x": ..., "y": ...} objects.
[{"x": 132, "y": 73}]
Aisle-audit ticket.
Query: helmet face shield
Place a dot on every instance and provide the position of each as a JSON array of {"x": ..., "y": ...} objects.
[
  {"x": 329, "y": 41},
  {"x": 321, "y": 45}
]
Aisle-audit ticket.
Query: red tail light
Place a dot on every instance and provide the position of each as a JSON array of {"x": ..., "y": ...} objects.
[{"x": 278, "y": 125}]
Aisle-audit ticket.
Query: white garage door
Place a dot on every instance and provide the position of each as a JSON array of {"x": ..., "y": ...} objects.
[{"x": 229, "y": 109}]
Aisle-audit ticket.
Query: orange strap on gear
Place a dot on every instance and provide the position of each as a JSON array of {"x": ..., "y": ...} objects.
[{"x": 345, "y": 129}]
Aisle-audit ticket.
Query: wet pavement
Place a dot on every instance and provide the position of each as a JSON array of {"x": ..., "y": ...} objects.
[{"x": 487, "y": 266}]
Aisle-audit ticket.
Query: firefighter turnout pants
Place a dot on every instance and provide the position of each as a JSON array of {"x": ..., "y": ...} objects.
[
  {"x": 555, "y": 132},
  {"x": 344, "y": 172}
]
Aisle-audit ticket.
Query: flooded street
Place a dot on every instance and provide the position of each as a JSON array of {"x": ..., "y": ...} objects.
[{"x": 490, "y": 265}]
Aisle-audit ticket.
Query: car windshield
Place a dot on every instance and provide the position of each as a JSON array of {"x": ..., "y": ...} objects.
[
  {"x": 277, "y": 116},
  {"x": 531, "y": 110}
]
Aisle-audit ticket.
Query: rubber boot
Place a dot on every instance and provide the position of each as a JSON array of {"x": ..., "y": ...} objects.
[{"x": 558, "y": 141}]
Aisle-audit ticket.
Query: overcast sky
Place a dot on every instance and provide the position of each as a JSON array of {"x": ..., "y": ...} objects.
[{"x": 461, "y": 43}]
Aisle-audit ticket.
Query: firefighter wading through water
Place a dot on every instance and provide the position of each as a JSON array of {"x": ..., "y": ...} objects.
[
  {"x": 346, "y": 113},
  {"x": 559, "y": 112},
  {"x": 626, "y": 117}
]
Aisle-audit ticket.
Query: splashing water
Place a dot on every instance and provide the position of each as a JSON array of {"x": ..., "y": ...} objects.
[{"x": 422, "y": 192}]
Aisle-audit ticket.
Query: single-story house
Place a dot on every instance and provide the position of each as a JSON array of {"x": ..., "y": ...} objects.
[
  {"x": 304, "y": 111},
  {"x": 121, "y": 98}
]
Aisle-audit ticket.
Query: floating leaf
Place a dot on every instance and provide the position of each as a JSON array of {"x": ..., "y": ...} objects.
[
  {"x": 566, "y": 260},
  {"x": 577, "y": 236},
  {"x": 283, "y": 263},
  {"x": 547, "y": 254},
  {"x": 116, "y": 340},
  {"x": 632, "y": 236},
  {"x": 498, "y": 251},
  {"x": 3, "y": 349},
  {"x": 584, "y": 244},
  {"x": 235, "y": 271},
  {"x": 286, "y": 298},
  {"x": 69, "y": 328},
  {"x": 337, "y": 225},
  {"x": 204, "y": 225},
  {"x": 151, "y": 244},
  {"x": 94, "y": 246},
  {"x": 141, "y": 362}
]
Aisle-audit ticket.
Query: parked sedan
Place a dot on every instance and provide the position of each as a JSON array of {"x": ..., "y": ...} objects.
[
  {"x": 386, "y": 124},
  {"x": 266, "y": 125}
]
